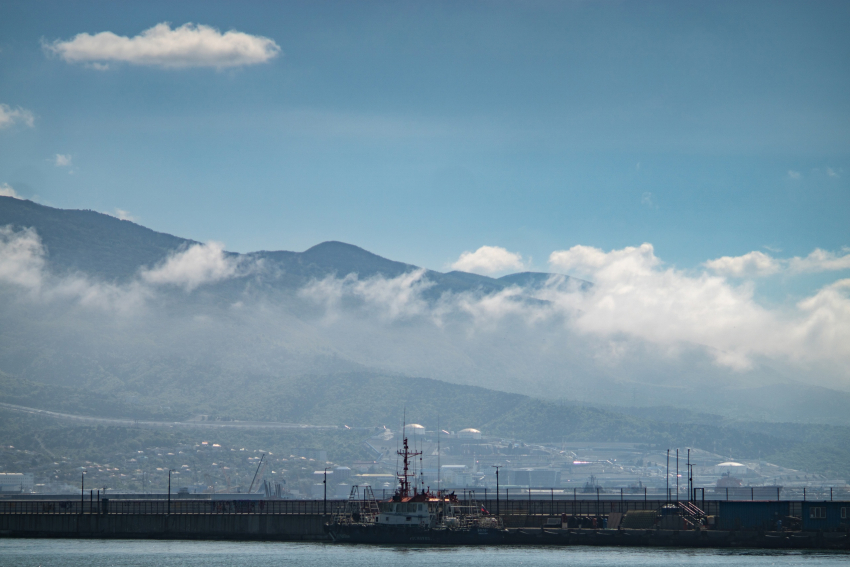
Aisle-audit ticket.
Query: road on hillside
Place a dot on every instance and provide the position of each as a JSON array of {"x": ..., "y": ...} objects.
[{"x": 164, "y": 424}]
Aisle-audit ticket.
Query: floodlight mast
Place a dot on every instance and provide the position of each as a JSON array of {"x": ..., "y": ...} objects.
[{"x": 497, "y": 467}]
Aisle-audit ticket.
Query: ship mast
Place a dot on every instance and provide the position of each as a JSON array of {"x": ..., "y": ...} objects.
[{"x": 403, "y": 478}]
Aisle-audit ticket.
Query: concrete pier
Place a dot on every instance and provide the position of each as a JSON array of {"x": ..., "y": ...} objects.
[{"x": 279, "y": 527}]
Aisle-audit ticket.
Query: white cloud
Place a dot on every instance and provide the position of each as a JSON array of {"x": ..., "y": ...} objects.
[
  {"x": 634, "y": 300},
  {"x": 587, "y": 260},
  {"x": 754, "y": 264},
  {"x": 123, "y": 215},
  {"x": 648, "y": 200},
  {"x": 390, "y": 298},
  {"x": 489, "y": 260},
  {"x": 794, "y": 174},
  {"x": 189, "y": 45},
  {"x": 633, "y": 294},
  {"x": 10, "y": 116},
  {"x": 6, "y": 190},
  {"x": 197, "y": 265},
  {"x": 751, "y": 264},
  {"x": 831, "y": 172},
  {"x": 820, "y": 261},
  {"x": 23, "y": 264},
  {"x": 62, "y": 160},
  {"x": 21, "y": 257}
]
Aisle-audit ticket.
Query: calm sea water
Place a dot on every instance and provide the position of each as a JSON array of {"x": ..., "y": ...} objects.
[{"x": 121, "y": 553}]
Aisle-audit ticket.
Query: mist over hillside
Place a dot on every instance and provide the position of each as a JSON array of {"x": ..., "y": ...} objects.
[{"x": 94, "y": 303}]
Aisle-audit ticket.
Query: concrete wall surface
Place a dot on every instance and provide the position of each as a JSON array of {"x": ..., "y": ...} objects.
[{"x": 162, "y": 526}]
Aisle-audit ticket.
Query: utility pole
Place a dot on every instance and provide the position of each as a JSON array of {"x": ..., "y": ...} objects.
[
  {"x": 82, "y": 489},
  {"x": 169, "y": 492},
  {"x": 677, "y": 475},
  {"x": 497, "y": 467},
  {"x": 325, "y": 502},
  {"x": 667, "y": 485}
]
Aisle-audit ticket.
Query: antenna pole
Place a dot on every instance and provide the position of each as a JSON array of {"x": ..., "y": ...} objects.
[
  {"x": 497, "y": 467},
  {"x": 256, "y": 472}
]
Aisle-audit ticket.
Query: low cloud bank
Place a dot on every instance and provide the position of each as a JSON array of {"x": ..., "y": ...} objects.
[
  {"x": 641, "y": 321},
  {"x": 635, "y": 298},
  {"x": 23, "y": 263}
]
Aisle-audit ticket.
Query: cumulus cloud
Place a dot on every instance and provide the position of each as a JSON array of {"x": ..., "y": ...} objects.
[
  {"x": 189, "y": 45},
  {"x": 10, "y": 116},
  {"x": 587, "y": 260},
  {"x": 62, "y": 160},
  {"x": 635, "y": 294},
  {"x": 6, "y": 190},
  {"x": 751, "y": 264},
  {"x": 794, "y": 174},
  {"x": 489, "y": 260},
  {"x": 820, "y": 261},
  {"x": 197, "y": 265},
  {"x": 635, "y": 300},
  {"x": 757, "y": 263}
]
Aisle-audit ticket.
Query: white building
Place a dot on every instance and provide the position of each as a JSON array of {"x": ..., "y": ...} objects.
[
  {"x": 469, "y": 433},
  {"x": 16, "y": 482}
]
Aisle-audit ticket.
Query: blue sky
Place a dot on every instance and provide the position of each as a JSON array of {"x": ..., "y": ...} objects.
[{"x": 423, "y": 130}]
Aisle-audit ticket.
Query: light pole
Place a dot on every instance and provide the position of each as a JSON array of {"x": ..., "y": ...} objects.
[
  {"x": 497, "y": 467},
  {"x": 82, "y": 490},
  {"x": 169, "y": 492},
  {"x": 325, "y": 501}
]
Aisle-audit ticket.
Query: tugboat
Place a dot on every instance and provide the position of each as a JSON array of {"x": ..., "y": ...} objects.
[{"x": 413, "y": 516}]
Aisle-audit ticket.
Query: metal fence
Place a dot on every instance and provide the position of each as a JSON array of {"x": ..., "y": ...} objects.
[
  {"x": 752, "y": 493},
  {"x": 183, "y": 506},
  {"x": 507, "y": 504}
]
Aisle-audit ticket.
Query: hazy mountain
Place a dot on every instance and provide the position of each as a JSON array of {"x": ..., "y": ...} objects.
[{"x": 99, "y": 304}]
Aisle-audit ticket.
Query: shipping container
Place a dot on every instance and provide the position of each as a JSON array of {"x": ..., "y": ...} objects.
[
  {"x": 751, "y": 515},
  {"x": 826, "y": 516}
]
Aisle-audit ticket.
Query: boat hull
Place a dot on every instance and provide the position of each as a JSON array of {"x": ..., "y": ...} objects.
[{"x": 388, "y": 534}]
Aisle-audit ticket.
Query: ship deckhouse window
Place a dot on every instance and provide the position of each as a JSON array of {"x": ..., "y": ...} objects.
[
  {"x": 844, "y": 513},
  {"x": 817, "y": 512}
]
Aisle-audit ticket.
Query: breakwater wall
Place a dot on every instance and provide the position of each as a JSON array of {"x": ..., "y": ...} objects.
[
  {"x": 741, "y": 524},
  {"x": 306, "y": 527},
  {"x": 514, "y": 507}
]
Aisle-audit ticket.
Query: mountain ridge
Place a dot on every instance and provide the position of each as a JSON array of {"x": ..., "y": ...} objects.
[{"x": 115, "y": 249}]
